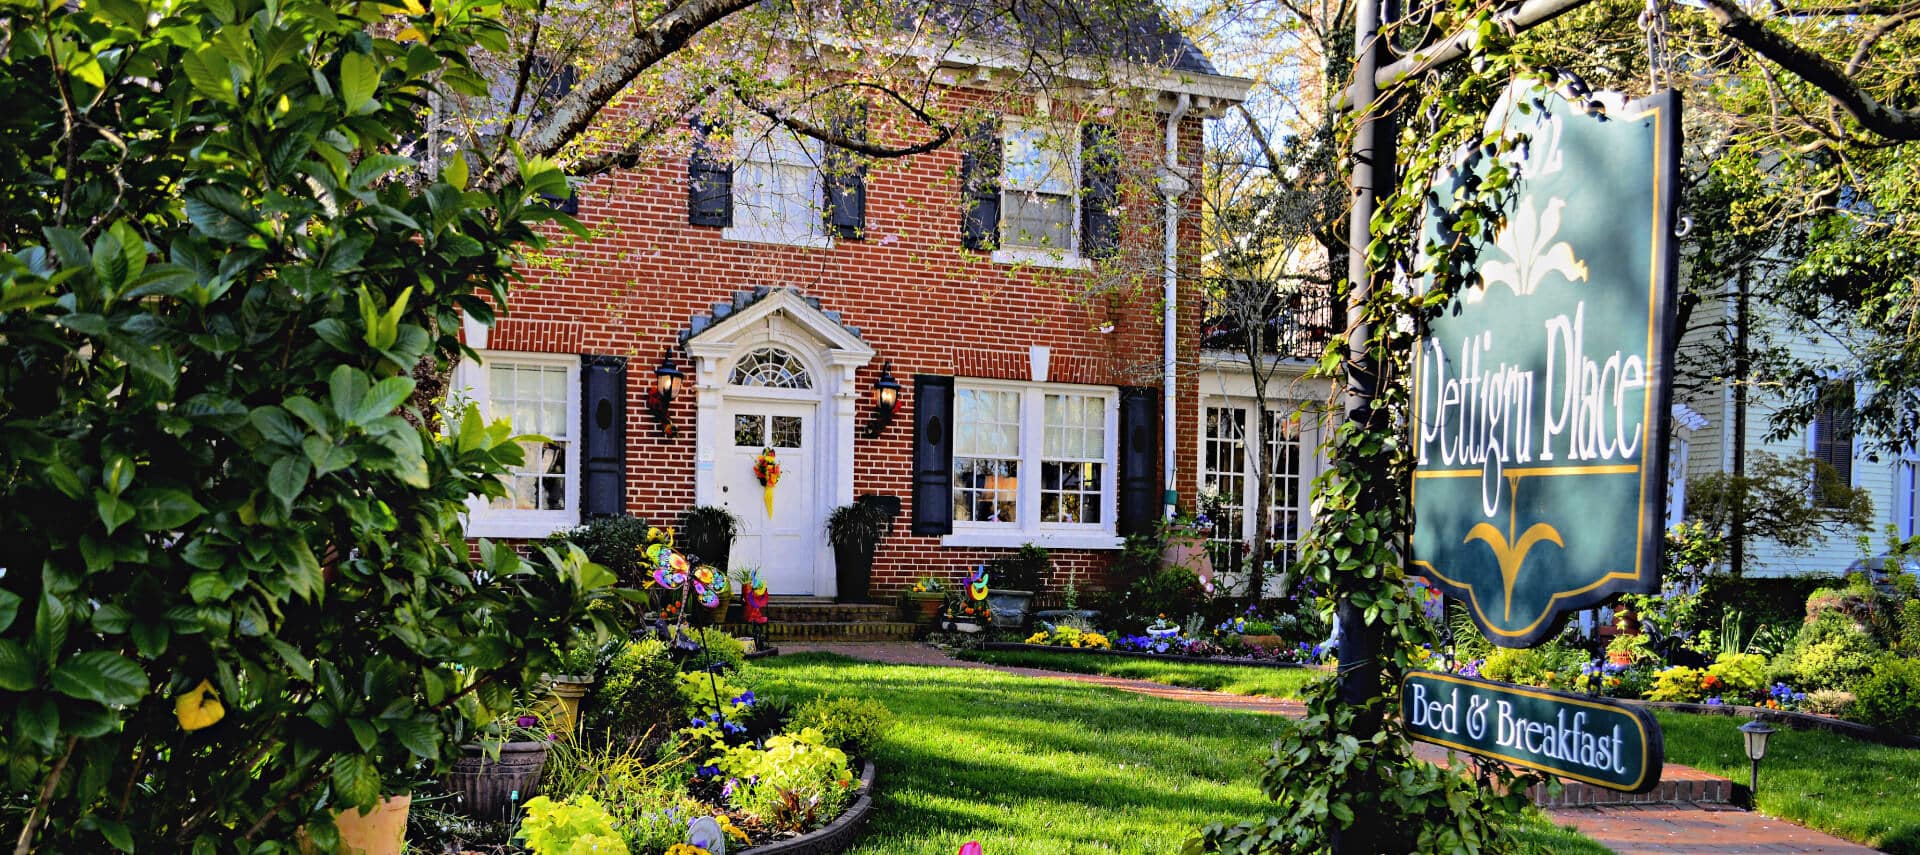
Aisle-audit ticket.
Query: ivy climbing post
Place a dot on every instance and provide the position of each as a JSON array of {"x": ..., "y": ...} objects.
[{"x": 1372, "y": 177}]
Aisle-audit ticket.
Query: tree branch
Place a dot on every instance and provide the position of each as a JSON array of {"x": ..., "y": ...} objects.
[
  {"x": 941, "y": 132},
  {"x": 1816, "y": 70},
  {"x": 568, "y": 118}
]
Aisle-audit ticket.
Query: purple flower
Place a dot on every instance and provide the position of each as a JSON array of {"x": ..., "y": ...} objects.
[
  {"x": 526, "y": 721},
  {"x": 1715, "y": 701},
  {"x": 708, "y": 771},
  {"x": 727, "y": 789},
  {"x": 745, "y": 699}
]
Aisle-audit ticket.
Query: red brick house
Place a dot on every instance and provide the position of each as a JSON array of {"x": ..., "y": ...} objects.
[{"x": 989, "y": 279}]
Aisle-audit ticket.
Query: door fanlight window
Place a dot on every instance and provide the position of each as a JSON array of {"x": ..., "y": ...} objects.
[{"x": 772, "y": 368}]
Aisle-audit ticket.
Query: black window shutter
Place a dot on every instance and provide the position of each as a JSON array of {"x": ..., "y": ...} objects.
[
  {"x": 1099, "y": 191},
  {"x": 603, "y": 433},
  {"x": 846, "y": 177},
  {"x": 709, "y": 181},
  {"x": 1139, "y": 456},
  {"x": 980, "y": 187},
  {"x": 932, "y": 454}
]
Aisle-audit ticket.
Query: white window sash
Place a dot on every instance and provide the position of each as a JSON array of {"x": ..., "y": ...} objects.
[
  {"x": 1028, "y": 526},
  {"x": 1052, "y": 256},
  {"x": 483, "y": 519},
  {"x": 764, "y": 211}
]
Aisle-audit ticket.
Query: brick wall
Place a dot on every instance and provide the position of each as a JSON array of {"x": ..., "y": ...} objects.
[{"x": 918, "y": 298}]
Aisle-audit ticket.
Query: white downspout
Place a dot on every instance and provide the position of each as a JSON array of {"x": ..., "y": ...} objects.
[{"x": 1172, "y": 185}]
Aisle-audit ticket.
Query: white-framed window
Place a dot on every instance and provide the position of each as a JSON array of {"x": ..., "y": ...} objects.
[
  {"x": 1034, "y": 462},
  {"x": 1229, "y": 458},
  {"x": 539, "y": 393},
  {"x": 1039, "y": 195},
  {"x": 1906, "y": 490},
  {"x": 1831, "y": 443},
  {"x": 778, "y": 191}
]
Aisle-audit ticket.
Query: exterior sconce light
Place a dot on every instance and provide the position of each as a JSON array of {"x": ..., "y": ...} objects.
[
  {"x": 666, "y": 384},
  {"x": 886, "y": 400},
  {"x": 1755, "y": 732}
]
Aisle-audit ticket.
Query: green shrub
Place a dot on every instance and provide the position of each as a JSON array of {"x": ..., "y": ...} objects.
[
  {"x": 1742, "y": 673},
  {"x": 639, "y": 690},
  {"x": 1830, "y": 652},
  {"x": 854, "y": 724},
  {"x": 1552, "y": 665},
  {"x": 1027, "y": 569},
  {"x": 1678, "y": 684},
  {"x": 1172, "y": 591},
  {"x": 1889, "y": 697},
  {"x": 1909, "y": 628},
  {"x": 1828, "y": 702},
  {"x": 578, "y": 827},
  {"x": 613, "y": 543},
  {"x": 796, "y": 783},
  {"x": 722, "y": 647}
]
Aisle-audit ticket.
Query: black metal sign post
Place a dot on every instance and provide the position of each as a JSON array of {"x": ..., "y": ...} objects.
[{"x": 1373, "y": 177}]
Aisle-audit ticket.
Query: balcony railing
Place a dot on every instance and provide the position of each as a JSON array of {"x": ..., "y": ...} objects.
[{"x": 1300, "y": 319}]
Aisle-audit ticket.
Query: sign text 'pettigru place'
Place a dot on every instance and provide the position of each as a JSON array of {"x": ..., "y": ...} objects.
[{"x": 1541, "y": 393}]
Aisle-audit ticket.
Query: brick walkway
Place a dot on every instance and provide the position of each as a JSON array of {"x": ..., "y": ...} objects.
[{"x": 1626, "y": 829}]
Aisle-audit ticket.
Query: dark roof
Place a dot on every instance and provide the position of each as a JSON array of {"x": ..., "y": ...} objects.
[
  {"x": 1126, "y": 30},
  {"x": 701, "y": 322}
]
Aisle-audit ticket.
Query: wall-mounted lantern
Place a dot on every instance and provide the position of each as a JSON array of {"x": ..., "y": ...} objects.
[
  {"x": 886, "y": 400},
  {"x": 666, "y": 384}
]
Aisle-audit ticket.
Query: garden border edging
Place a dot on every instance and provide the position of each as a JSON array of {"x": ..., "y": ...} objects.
[
  {"x": 1133, "y": 654},
  {"x": 1795, "y": 720},
  {"x": 835, "y": 835}
]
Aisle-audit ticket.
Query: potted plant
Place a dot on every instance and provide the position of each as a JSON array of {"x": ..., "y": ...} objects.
[
  {"x": 924, "y": 600},
  {"x": 1016, "y": 579},
  {"x": 579, "y": 664},
  {"x": 381, "y": 831},
  {"x": 500, "y": 772},
  {"x": 855, "y": 532},
  {"x": 707, "y": 531}
]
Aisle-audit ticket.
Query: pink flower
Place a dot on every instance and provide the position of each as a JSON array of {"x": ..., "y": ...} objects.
[{"x": 972, "y": 848}]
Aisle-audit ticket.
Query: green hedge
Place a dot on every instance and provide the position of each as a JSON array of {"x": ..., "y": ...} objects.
[{"x": 1771, "y": 601}]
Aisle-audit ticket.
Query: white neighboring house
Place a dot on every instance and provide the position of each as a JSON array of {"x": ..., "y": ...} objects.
[{"x": 1830, "y": 438}]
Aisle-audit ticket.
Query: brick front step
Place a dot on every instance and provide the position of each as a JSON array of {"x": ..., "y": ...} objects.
[
  {"x": 1678, "y": 785},
  {"x": 779, "y": 613},
  {"x": 779, "y": 631}
]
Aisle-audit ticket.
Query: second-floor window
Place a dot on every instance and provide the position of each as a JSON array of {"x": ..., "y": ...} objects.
[
  {"x": 1833, "y": 451},
  {"x": 1037, "y": 189},
  {"x": 778, "y": 190}
]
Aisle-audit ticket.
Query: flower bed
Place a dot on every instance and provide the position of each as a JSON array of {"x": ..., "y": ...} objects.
[
  {"x": 835, "y": 835},
  {"x": 1796, "y": 720}
]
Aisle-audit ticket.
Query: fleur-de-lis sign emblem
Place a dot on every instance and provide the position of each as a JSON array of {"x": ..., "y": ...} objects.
[
  {"x": 1511, "y": 556},
  {"x": 1527, "y": 240}
]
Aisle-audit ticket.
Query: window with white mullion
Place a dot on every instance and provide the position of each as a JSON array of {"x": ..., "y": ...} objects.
[
  {"x": 986, "y": 457},
  {"x": 1073, "y": 459},
  {"x": 1038, "y": 203},
  {"x": 777, "y": 190},
  {"x": 1906, "y": 489},
  {"x": 1286, "y": 486},
  {"x": 1223, "y": 474},
  {"x": 538, "y": 395}
]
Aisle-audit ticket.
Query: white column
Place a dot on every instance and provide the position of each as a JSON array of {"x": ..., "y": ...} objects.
[{"x": 708, "y": 372}]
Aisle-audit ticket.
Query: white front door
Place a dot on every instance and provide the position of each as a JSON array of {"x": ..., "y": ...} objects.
[{"x": 785, "y": 543}]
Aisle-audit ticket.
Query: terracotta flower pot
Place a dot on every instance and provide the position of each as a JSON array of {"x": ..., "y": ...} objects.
[
  {"x": 924, "y": 606},
  {"x": 383, "y": 831},
  {"x": 494, "y": 791}
]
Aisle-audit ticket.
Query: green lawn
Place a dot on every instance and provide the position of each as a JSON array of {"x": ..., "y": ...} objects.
[
  {"x": 1235, "y": 679},
  {"x": 1046, "y": 767},
  {"x": 1861, "y": 791},
  {"x": 1864, "y": 792}
]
